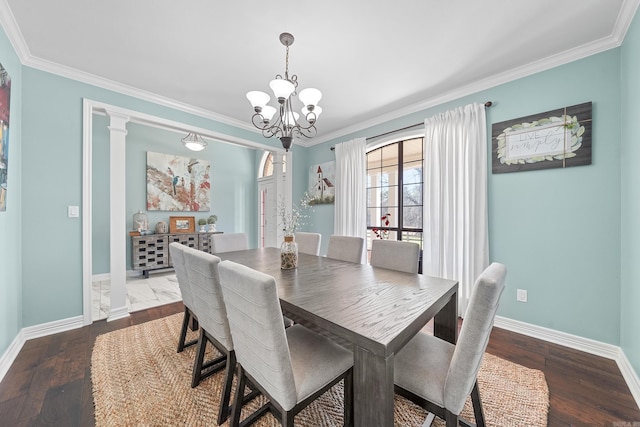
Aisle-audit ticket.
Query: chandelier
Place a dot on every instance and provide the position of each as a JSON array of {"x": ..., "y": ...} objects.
[
  {"x": 194, "y": 142},
  {"x": 286, "y": 125}
]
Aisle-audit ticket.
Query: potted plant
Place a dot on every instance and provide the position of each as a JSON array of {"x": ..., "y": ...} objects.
[
  {"x": 202, "y": 222},
  {"x": 212, "y": 223}
]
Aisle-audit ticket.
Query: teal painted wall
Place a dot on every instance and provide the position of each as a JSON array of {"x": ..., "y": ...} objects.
[
  {"x": 52, "y": 180},
  {"x": 233, "y": 184},
  {"x": 630, "y": 282},
  {"x": 10, "y": 220},
  {"x": 558, "y": 231}
]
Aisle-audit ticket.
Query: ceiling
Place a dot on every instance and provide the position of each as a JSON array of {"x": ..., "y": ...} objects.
[{"x": 373, "y": 60}]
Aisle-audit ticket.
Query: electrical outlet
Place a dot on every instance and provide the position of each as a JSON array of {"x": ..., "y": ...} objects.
[{"x": 521, "y": 295}]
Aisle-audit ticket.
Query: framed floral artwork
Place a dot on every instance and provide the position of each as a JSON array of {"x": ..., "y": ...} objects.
[{"x": 555, "y": 139}]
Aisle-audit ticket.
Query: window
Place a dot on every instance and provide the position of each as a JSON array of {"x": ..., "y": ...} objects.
[
  {"x": 394, "y": 187},
  {"x": 267, "y": 165}
]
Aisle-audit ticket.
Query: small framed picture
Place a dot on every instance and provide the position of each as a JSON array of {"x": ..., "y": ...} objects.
[{"x": 182, "y": 224}]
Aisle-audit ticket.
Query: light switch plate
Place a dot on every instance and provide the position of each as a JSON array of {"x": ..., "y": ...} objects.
[{"x": 73, "y": 211}]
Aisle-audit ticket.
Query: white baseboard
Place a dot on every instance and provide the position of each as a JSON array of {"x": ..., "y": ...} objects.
[
  {"x": 10, "y": 354},
  {"x": 587, "y": 345},
  {"x": 118, "y": 313},
  {"x": 36, "y": 331},
  {"x": 107, "y": 276},
  {"x": 630, "y": 376}
]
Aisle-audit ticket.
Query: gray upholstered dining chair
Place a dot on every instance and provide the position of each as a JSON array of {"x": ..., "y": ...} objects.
[
  {"x": 229, "y": 242},
  {"x": 290, "y": 367},
  {"x": 346, "y": 248},
  {"x": 202, "y": 270},
  {"x": 308, "y": 243},
  {"x": 176, "y": 250},
  {"x": 439, "y": 376},
  {"x": 395, "y": 255}
]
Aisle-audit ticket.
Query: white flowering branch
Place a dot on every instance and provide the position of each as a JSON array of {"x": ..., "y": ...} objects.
[{"x": 293, "y": 219}]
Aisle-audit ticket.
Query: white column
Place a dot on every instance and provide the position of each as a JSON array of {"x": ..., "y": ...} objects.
[
  {"x": 278, "y": 196},
  {"x": 117, "y": 215}
]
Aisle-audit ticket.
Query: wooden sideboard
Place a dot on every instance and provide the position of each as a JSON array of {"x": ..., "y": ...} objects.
[{"x": 151, "y": 252}]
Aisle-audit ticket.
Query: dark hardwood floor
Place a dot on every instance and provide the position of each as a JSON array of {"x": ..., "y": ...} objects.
[{"x": 49, "y": 383}]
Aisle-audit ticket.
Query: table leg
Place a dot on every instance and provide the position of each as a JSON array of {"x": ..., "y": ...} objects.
[
  {"x": 445, "y": 324},
  {"x": 372, "y": 389}
]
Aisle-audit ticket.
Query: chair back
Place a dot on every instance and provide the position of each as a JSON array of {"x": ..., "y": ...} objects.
[
  {"x": 258, "y": 331},
  {"x": 395, "y": 255},
  {"x": 229, "y": 242},
  {"x": 176, "y": 250},
  {"x": 309, "y": 243},
  {"x": 209, "y": 308},
  {"x": 474, "y": 336},
  {"x": 346, "y": 248}
]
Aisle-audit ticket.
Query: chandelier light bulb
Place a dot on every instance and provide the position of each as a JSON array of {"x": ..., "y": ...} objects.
[
  {"x": 310, "y": 96},
  {"x": 258, "y": 99},
  {"x": 316, "y": 112},
  {"x": 282, "y": 89},
  {"x": 267, "y": 113}
]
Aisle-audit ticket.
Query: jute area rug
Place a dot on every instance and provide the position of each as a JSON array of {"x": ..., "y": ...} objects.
[{"x": 139, "y": 380}]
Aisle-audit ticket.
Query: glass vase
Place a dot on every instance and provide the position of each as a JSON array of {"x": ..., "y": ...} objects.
[
  {"x": 288, "y": 253},
  {"x": 140, "y": 221}
]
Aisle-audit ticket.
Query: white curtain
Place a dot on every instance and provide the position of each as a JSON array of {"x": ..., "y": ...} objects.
[
  {"x": 351, "y": 189},
  {"x": 456, "y": 242}
]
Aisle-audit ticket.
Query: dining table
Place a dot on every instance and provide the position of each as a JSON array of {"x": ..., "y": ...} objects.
[{"x": 374, "y": 310}]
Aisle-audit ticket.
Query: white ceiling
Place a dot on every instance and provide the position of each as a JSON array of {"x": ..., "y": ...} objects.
[{"x": 373, "y": 60}]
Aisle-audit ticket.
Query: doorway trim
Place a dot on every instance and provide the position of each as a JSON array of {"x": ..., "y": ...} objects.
[{"x": 89, "y": 109}]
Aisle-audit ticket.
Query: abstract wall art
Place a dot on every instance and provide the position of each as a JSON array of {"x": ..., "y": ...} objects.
[{"x": 176, "y": 183}]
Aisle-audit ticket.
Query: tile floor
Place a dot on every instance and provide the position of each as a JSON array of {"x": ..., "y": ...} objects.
[{"x": 158, "y": 289}]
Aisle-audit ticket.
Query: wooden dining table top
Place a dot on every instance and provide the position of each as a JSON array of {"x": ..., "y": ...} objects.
[{"x": 376, "y": 309}]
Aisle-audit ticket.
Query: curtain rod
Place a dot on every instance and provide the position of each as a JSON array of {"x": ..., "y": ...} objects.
[{"x": 486, "y": 104}]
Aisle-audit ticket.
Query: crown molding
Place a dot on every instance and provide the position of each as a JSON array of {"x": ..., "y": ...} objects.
[
  {"x": 10, "y": 25},
  {"x": 91, "y": 79}
]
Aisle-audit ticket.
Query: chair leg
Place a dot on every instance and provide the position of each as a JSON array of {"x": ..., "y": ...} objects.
[
  {"x": 183, "y": 330},
  {"x": 450, "y": 419},
  {"x": 287, "y": 419},
  {"x": 348, "y": 399},
  {"x": 477, "y": 405},
  {"x": 197, "y": 363},
  {"x": 223, "y": 412},
  {"x": 237, "y": 401}
]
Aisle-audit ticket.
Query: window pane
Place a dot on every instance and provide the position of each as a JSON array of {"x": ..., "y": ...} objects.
[
  {"x": 412, "y": 217},
  {"x": 268, "y": 166},
  {"x": 412, "y": 150},
  {"x": 390, "y": 155},
  {"x": 412, "y": 173},
  {"x": 410, "y": 236},
  {"x": 412, "y": 195},
  {"x": 377, "y": 196},
  {"x": 374, "y": 215},
  {"x": 374, "y": 159}
]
